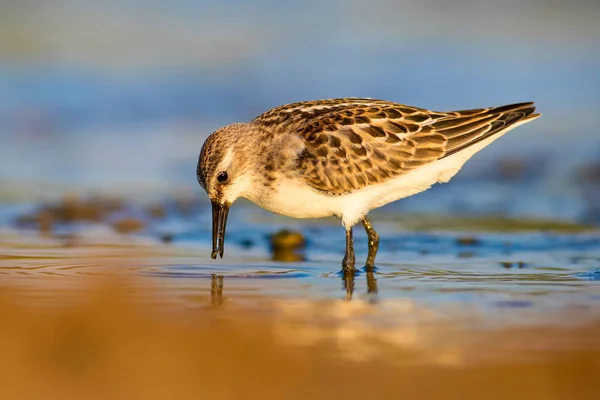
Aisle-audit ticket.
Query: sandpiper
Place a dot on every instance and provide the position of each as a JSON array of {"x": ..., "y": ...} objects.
[{"x": 342, "y": 157}]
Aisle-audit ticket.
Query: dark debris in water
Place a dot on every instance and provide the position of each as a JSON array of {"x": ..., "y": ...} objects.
[
  {"x": 167, "y": 238},
  {"x": 247, "y": 243},
  {"x": 69, "y": 210},
  {"x": 122, "y": 216},
  {"x": 128, "y": 225},
  {"x": 157, "y": 211},
  {"x": 509, "y": 265},
  {"x": 468, "y": 241}
]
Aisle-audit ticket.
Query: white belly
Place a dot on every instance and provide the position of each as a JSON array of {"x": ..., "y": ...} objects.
[{"x": 298, "y": 200}]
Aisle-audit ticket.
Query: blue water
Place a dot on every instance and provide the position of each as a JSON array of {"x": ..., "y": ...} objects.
[{"x": 120, "y": 96}]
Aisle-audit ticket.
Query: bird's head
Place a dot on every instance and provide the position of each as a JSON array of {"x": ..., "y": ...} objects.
[{"x": 224, "y": 173}]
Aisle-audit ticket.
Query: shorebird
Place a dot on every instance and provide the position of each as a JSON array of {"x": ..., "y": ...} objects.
[{"x": 342, "y": 157}]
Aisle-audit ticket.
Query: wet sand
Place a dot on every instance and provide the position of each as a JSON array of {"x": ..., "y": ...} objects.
[
  {"x": 104, "y": 319},
  {"x": 109, "y": 343}
]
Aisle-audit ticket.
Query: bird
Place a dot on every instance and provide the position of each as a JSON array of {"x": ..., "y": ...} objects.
[{"x": 342, "y": 157}]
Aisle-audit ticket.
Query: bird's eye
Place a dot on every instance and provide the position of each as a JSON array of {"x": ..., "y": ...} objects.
[{"x": 222, "y": 177}]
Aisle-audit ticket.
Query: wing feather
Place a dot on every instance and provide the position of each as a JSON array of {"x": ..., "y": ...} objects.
[{"x": 350, "y": 143}]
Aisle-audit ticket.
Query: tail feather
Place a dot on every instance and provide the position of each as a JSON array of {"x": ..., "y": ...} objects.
[{"x": 466, "y": 128}]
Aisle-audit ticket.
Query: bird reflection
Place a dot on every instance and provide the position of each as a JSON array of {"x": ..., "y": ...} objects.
[
  {"x": 216, "y": 290},
  {"x": 371, "y": 282},
  {"x": 348, "y": 279}
]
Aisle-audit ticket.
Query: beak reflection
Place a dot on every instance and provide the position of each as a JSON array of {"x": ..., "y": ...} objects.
[{"x": 219, "y": 223}]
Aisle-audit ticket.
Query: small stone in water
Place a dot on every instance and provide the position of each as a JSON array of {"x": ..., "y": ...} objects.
[
  {"x": 287, "y": 239},
  {"x": 285, "y": 245},
  {"x": 468, "y": 241},
  {"x": 508, "y": 265},
  {"x": 247, "y": 243},
  {"x": 128, "y": 225},
  {"x": 166, "y": 238},
  {"x": 157, "y": 211}
]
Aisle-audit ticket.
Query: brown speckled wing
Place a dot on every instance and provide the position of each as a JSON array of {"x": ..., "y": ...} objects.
[{"x": 351, "y": 143}]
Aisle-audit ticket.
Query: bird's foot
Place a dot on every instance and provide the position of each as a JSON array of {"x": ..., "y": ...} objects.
[
  {"x": 348, "y": 264},
  {"x": 370, "y": 267}
]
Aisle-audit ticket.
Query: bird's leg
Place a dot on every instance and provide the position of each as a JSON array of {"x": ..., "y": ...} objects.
[
  {"x": 348, "y": 265},
  {"x": 349, "y": 259},
  {"x": 373, "y": 243}
]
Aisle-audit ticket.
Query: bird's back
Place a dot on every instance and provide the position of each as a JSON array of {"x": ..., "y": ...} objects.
[{"x": 349, "y": 144}]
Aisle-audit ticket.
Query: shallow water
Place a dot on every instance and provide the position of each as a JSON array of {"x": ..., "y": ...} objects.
[
  {"x": 511, "y": 305},
  {"x": 515, "y": 278}
]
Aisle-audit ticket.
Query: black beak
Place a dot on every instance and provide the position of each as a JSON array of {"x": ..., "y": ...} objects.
[{"x": 219, "y": 222}]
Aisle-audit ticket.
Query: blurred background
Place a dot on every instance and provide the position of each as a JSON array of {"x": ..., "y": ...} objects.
[
  {"x": 118, "y": 96},
  {"x": 113, "y": 100}
]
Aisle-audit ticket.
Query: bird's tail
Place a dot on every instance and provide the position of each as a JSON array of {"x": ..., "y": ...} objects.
[{"x": 468, "y": 127}]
